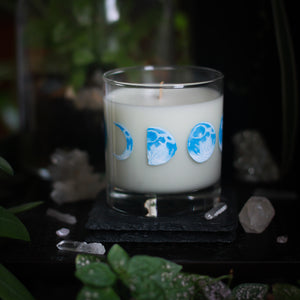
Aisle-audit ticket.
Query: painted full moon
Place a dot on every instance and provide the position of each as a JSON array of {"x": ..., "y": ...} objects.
[
  {"x": 129, "y": 143},
  {"x": 161, "y": 146},
  {"x": 201, "y": 142}
]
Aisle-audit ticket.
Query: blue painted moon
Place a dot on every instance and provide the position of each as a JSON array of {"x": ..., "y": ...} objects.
[
  {"x": 161, "y": 146},
  {"x": 201, "y": 142},
  {"x": 129, "y": 143},
  {"x": 221, "y": 135}
]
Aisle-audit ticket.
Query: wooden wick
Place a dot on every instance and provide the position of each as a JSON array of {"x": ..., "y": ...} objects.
[{"x": 160, "y": 90}]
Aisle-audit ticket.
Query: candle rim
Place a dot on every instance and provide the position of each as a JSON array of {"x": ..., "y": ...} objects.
[{"x": 179, "y": 85}]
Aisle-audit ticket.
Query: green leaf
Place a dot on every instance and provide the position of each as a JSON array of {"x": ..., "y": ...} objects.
[
  {"x": 96, "y": 274},
  {"x": 83, "y": 12},
  {"x": 90, "y": 293},
  {"x": 86, "y": 259},
  {"x": 77, "y": 78},
  {"x": 60, "y": 32},
  {"x": 11, "y": 226},
  {"x": 11, "y": 288},
  {"x": 148, "y": 290},
  {"x": 24, "y": 207},
  {"x": 151, "y": 276},
  {"x": 118, "y": 259},
  {"x": 210, "y": 288},
  {"x": 5, "y": 166},
  {"x": 182, "y": 286},
  {"x": 82, "y": 57},
  {"x": 284, "y": 291},
  {"x": 144, "y": 266},
  {"x": 181, "y": 21},
  {"x": 250, "y": 291}
]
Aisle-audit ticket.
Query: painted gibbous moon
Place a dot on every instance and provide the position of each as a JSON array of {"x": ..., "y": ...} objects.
[
  {"x": 129, "y": 143},
  {"x": 161, "y": 146},
  {"x": 221, "y": 135},
  {"x": 201, "y": 142}
]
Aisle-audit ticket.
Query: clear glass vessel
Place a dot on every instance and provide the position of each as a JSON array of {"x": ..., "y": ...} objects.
[{"x": 164, "y": 130}]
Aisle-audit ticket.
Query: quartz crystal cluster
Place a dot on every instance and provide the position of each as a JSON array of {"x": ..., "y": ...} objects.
[
  {"x": 73, "y": 177},
  {"x": 256, "y": 214},
  {"x": 253, "y": 161}
]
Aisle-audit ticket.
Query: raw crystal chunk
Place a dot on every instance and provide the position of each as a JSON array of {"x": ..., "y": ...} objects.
[
  {"x": 256, "y": 214},
  {"x": 62, "y": 232},
  {"x": 253, "y": 161},
  {"x": 282, "y": 239},
  {"x": 73, "y": 177},
  {"x": 151, "y": 207}
]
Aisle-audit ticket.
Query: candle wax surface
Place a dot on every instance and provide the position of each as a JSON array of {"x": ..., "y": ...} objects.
[{"x": 177, "y": 112}]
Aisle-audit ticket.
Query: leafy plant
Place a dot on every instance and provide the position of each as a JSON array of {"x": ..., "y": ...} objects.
[
  {"x": 69, "y": 36},
  {"x": 11, "y": 288},
  {"x": 11, "y": 227},
  {"x": 145, "y": 277}
]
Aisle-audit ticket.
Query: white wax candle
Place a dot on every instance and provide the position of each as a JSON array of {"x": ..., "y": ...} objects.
[{"x": 130, "y": 112}]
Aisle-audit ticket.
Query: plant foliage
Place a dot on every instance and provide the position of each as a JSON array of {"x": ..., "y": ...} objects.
[
  {"x": 11, "y": 288},
  {"x": 11, "y": 227},
  {"x": 143, "y": 277},
  {"x": 5, "y": 166}
]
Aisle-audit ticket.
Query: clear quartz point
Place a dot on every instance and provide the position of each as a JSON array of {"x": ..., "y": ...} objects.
[
  {"x": 81, "y": 247},
  {"x": 67, "y": 218},
  {"x": 218, "y": 209}
]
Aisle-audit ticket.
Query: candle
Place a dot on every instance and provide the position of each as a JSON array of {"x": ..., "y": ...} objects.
[
  {"x": 163, "y": 138},
  {"x": 177, "y": 112}
]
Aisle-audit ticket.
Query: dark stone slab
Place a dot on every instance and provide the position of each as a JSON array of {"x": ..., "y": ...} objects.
[{"x": 107, "y": 225}]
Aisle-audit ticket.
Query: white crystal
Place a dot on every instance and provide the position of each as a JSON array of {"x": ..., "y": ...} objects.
[
  {"x": 62, "y": 232},
  {"x": 256, "y": 214},
  {"x": 150, "y": 205},
  {"x": 67, "y": 218},
  {"x": 253, "y": 160},
  {"x": 82, "y": 247},
  {"x": 218, "y": 209},
  {"x": 282, "y": 239},
  {"x": 73, "y": 177}
]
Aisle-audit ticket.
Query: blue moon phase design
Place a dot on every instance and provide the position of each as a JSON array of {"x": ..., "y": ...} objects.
[
  {"x": 129, "y": 143},
  {"x": 221, "y": 135},
  {"x": 201, "y": 142},
  {"x": 161, "y": 146}
]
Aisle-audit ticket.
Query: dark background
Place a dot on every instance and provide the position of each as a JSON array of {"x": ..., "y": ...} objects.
[
  {"x": 238, "y": 38},
  {"x": 235, "y": 37}
]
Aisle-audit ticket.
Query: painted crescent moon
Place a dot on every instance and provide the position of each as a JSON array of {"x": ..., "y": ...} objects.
[
  {"x": 201, "y": 142},
  {"x": 129, "y": 143}
]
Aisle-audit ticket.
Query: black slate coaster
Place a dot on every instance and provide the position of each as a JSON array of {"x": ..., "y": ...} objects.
[{"x": 107, "y": 225}]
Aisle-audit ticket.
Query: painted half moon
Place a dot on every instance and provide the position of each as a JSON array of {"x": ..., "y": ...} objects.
[
  {"x": 201, "y": 142},
  {"x": 221, "y": 135},
  {"x": 129, "y": 143},
  {"x": 161, "y": 146}
]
